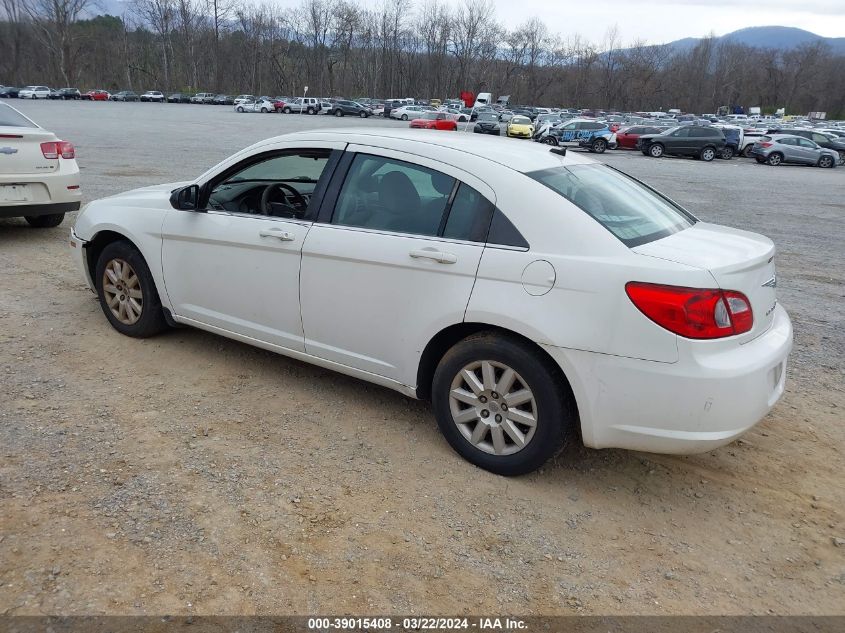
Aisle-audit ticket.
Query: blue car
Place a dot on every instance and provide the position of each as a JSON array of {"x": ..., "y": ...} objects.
[{"x": 592, "y": 135}]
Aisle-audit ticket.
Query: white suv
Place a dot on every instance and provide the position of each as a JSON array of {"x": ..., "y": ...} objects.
[
  {"x": 34, "y": 92},
  {"x": 309, "y": 105},
  {"x": 39, "y": 177}
]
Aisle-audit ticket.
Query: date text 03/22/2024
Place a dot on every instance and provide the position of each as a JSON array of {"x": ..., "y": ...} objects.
[{"x": 416, "y": 624}]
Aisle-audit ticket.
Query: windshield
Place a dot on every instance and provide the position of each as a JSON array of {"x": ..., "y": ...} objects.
[
  {"x": 488, "y": 117},
  {"x": 521, "y": 120},
  {"x": 631, "y": 211}
]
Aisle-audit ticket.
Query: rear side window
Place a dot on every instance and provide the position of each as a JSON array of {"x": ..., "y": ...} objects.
[
  {"x": 392, "y": 195},
  {"x": 628, "y": 209},
  {"x": 12, "y": 118},
  {"x": 469, "y": 217}
]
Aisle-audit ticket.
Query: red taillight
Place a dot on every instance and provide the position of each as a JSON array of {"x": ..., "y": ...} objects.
[
  {"x": 53, "y": 149},
  {"x": 693, "y": 312},
  {"x": 765, "y": 144}
]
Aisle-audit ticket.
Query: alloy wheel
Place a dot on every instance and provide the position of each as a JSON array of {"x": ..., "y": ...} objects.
[
  {"x": 493, "y": 407},
  {"x": 122, "y": 291}
]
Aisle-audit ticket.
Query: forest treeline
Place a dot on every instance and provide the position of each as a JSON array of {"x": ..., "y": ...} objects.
[{"x": 342, "y": 47}]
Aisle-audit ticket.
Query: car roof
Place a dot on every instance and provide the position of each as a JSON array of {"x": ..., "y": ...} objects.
[{"x": 521, "y": 157}]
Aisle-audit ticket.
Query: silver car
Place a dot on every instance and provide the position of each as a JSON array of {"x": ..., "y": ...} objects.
[{"x": 776, "y": 149}]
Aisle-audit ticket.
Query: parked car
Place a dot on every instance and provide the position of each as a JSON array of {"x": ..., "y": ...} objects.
[
  {"x": 435, "y": 121},
  {"x": 243, "y": 98},
  {"x": 534, "y": 297},
  {"x": 200, "y": 97},
  {"x": 308, "y": 105},
  {"x": 153, "y": 96},
  {"x": 179, "y": 97},
  {"x": 408, "y": 112},
  {"x": 259, "y": 105},
  {"x": 34, "y": 92},
  {"x": 487, "y": 123},
  {"x": 520, "y": 127},
  {"x": 575, "y": 130},
  {"x": 828, "y": 141},
  {"x": 703, "y": 142},
  {"x": 343, "y": 107},
  {"x": 627, "y": 137},
  {"x": 39, "y": 177},
  {"x": 9, "y": 92},
  {"x": 223, "y": 100},
  {"x": 734, "y": 141},
  {"x": 125, "y": 95},
  {"x": 325, "y": 106},
  {"x": 65, "y": 94},
  {"x": 96, "y": 95},
  {"x": 777, "y": 149}
]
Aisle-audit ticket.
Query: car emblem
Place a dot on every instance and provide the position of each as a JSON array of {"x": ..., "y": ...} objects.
[
  {"x": 8, "y": 150},
  {"x": 772, "y": 283}
]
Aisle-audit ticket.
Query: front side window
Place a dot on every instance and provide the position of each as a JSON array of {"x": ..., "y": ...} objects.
[
  {"x": 277, "y": 186},
  {"x": 628, "y": 209}
]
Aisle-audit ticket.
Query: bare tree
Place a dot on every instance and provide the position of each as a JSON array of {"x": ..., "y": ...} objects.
[{"x": 54, "y": 21}]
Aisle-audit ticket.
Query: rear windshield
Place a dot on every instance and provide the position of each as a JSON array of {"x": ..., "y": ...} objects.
[
  {"x": 631, "y": 211},
  {"x": 12, "y": 118}
]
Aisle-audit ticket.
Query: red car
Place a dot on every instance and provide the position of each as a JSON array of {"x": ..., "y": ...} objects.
[
  {"x": 435, "y": 121},
  {"x": 627, "y": 137},
  {"x": 96, "y": 95}
]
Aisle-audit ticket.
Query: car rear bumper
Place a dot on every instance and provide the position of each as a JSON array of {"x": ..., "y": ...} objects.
[
  {"x": 55, "y": 192},
  {"x": 711, "y": 396},
  {"x": 21, "y": 209}
]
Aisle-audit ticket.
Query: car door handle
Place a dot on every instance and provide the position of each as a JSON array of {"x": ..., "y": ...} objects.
[
  {"x": 279, "y": 234},
  {"x": 438, "y": 256}
]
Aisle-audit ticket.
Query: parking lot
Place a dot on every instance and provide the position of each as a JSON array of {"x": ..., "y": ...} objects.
[{"x": 193, "y": 474}]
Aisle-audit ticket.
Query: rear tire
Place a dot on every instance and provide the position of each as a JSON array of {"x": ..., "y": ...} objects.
[
  {"x": 45, "y": 221},
  {"x": 286, "y": 110},
  {"x": 599, "y": 146},
  {"x": 404, "y": 117},
  {"x": 708, "y": 154},
  {"x": 727, "y": 153},
  {"x": 338, "y": 113},
  {"x": 151, "y": 319},
  {"x": 746, "y": 153},
  {"x": 775, "y": 159},
  {"x": 656, "y": 150},
  {"x": 535, "y": 407}
]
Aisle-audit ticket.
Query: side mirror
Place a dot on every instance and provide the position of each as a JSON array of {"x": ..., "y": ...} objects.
[{"x": 185, "y": 198}]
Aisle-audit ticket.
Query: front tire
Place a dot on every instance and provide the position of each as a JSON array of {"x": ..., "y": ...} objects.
[
  {"x": 338, "y": 113},
  {"x": 127, "y": 291},
  {"x": 501, "y": 405},
  {"x": 45, "y": 221},
  {"x": 827, "y": 162}
]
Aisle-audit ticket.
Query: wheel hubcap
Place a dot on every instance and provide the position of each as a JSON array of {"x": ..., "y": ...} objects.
[
  {"x": 493, "y": 407},
  {"x": 122, "y": 291}
]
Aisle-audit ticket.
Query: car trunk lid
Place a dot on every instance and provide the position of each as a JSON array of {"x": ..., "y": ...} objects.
[
  {"x": 20, "y": 151},
  {"x": 738, "y": 260}
]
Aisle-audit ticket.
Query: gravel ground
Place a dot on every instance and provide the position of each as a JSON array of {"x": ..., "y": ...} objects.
[{"x": 193, "y": 474}]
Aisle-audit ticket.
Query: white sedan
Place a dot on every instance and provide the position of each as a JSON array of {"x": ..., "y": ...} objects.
[
  {"x": 34, "y": 92},
  {"x": 407, "y": 112},
  {"x": 257, "y": 105},
  {"x": 534, "y": 296},
  {"x": 39, "y": 177}
]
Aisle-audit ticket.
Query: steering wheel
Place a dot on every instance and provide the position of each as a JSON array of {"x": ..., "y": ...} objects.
[{"x": 286, "y": 190}]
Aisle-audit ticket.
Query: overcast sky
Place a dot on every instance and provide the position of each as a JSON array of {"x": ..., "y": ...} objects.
[{"x": 659, "y": 21}]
